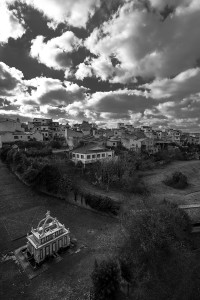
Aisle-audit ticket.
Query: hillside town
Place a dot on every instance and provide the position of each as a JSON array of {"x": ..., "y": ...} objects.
[{"x": 84, "y": 139}]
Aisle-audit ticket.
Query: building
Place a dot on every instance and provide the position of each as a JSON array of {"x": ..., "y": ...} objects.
[
  {"x": 9, "y": 137},
  {"x": 10, "y": 125},
  {"x": 113, "y": 142},
  {"x": 141, "y": 145},
  {"x": 41, "y": 121},
  {"x": 91, "y": 153},
  {"x": 49, "y": 237}
]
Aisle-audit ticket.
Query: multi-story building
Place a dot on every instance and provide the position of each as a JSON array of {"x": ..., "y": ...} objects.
[
  {"x": 41, "y": 121},
  {"x": 49, "y": 237},
  {"x": 113, "y": 142},
  {"x": 10, "y": 125},
  {"x": 9, "y": 137}
]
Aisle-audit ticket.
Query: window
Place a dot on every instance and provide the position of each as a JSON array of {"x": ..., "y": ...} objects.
[
  {"x": 65, "y": 240},
  {"x": 93, "y": 156},
  {"x": 113, "y": 144},
  {"x": 73, "y": 154},
  {"x": 82, "y": 156},
  {"x": 88, "y": 156},
  {"x": 103, "y": 155},
  {"x": 16, "y": 137},
  {"x": 77, "y": 155},
  {"x": 41, "y": 254},
  {"x": 98, "y": 155}
]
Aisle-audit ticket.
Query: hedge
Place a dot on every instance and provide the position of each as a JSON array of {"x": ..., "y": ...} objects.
[{"x": 101, "y": 203}]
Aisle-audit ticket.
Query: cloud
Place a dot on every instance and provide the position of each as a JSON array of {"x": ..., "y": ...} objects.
[
  {"x": 10, "y": 25},
  {"x": 10, "y": 80},
  {"x": 145, "y": 44},
  {"x": 182, "y": 85},
  {"x": 55, "y": 53},
  {"x": 53, "y": 92},
  {"x": 73, "y": 12}
]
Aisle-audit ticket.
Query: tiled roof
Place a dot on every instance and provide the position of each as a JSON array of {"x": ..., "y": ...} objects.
[{"x": 89, "y": 148}]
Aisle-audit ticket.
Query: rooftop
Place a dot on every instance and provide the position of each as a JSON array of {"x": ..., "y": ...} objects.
[{"x": 89, "y": 148}]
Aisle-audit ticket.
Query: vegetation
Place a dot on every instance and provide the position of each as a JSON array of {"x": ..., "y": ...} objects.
[
  {"x": 101, "y": 203},
  {"x": 177, "y": 180},
  {"x": 106, "y": 279},
  {"x": 154, "y": 256},
  {"x": 118, "y": 174}
]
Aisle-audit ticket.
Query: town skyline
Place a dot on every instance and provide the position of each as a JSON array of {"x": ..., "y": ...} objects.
[{"x": 134, "y": 62}]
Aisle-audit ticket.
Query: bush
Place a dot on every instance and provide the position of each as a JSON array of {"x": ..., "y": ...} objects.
[
  {"x": 55, "y": 144},
  {"x": 49, "y": 178},
  {"x": 100, "y": 203},
  {"x": 65, "y": 184},
  {"x": 4, "y": 152},
  {"x": 133, "y": 184},
  {"x": 106, "y": 280},
  {"x": 38, "y": 153},
  {"x": 177, "y": 180},
  {"x": 30, "y": 176}
]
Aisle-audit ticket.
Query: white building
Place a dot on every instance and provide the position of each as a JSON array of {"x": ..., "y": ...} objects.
[
  {"x": 91, "y": 153},
  {"x": 49, "y": 237}
]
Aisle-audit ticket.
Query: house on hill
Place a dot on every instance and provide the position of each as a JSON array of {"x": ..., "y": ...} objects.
[
  {"x": 49, "y": 237},
  {"x": 91, "y": 153},
  {"x": 10, "y": 125}
]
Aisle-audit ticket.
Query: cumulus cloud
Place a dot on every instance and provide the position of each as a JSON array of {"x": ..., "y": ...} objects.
[
  {"x": 145, "y": 44},
  {"x": 55, "y": 53},
  {"x": 10, "y": 25},
  {"x": 182, "y": 85},
  {"x": 10, "y": 80},
  {"x": 73, "y": 12},
  {"x": 53, "y": 92}
]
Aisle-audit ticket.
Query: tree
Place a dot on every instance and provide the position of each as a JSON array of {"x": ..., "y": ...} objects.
[
  {"x": 49, "y": 178},
  {"x": 106, "y": 279},
  {"x": 156, "y": 251}
]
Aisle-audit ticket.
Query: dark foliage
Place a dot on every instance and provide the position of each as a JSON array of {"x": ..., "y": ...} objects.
[
  {"x": 30, "y": 176},
  {"x": 177, "y": 180},
  {"x": 48, "y": 178},
  {"x": 101, "y": 203},
  {"x": 4, "y": 152},
  {"x": 106, "y": 280}
]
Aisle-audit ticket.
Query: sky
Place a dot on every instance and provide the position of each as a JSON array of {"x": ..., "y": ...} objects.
[{"x": 103, "y": 61}]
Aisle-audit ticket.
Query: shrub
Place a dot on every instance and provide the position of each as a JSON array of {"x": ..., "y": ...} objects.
[
  {"x": 133, "y": 184},
  {"x": 37, "y": 153},
  {"x": 177, "y": 180},
  {"x": 49, "y": 178},
  {"x": 100, "y": 203},
  {"x": 106, "y": 280},
  {"x": 30, "y": 176},
  {"x": 55, "y": 144},
  {"x": 4, "y": 152},
  {"x": 65, "y": 184}
]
